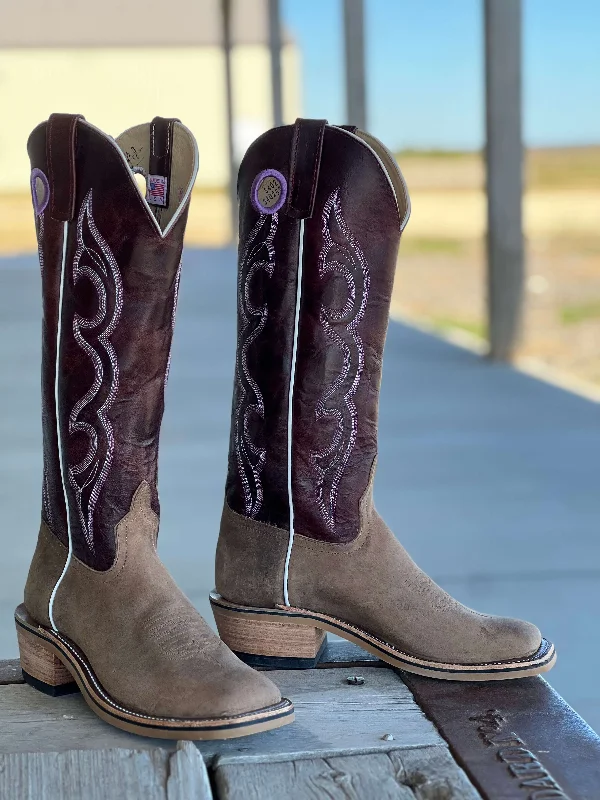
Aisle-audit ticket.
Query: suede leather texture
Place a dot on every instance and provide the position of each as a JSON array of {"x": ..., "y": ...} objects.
[
  {"x": 371, "y": 583},
  {"x": 250, "y": 560},
  {"x": 141, "y": 340},
  {"x": 49, "y": 559},
  {"x": 149, "y": 648}
]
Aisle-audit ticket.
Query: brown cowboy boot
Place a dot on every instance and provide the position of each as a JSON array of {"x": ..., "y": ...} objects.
[
  {"x": 100, "y": 608},
  {"x": 301, "y": 548}
]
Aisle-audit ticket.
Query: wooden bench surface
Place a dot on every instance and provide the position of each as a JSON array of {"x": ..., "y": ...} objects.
[{"x": 397, "y": 737}]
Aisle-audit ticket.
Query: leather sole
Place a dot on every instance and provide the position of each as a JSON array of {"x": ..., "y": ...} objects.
[
  {"x": 269, "y": 633},
  {"x": 54, "y": 665}
]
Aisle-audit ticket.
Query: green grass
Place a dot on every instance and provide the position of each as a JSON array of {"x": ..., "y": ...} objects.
[
  {"x": 432, "y": 246},
  {"x": 441, "y": 154},
  {"x": 571, "y": 315},
  {"x": 544, "y": 168},
  {"x": 478, "y": 329}
]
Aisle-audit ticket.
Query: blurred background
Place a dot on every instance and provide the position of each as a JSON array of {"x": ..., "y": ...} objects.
[{"x": 490, "y": 466}]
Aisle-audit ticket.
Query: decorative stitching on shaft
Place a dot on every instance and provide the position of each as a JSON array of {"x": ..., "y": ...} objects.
[
  {"x": 340, "y": 255},
  {"x": 96, "y": 263},
  {"x": 258, "y": 254}
]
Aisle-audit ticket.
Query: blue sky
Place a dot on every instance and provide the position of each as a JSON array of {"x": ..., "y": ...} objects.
[{"x": 425, "y": 69}]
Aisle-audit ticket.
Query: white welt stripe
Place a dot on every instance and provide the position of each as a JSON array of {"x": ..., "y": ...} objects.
[
  {"x": 286, "y": 598},
  {"x": 58, "y": 428}
]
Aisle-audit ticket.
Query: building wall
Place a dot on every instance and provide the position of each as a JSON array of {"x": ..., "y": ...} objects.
[{"x": 115, "y": 88}]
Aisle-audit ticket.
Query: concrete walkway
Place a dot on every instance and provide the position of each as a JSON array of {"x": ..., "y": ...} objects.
[{"x": 489, "y": 477}]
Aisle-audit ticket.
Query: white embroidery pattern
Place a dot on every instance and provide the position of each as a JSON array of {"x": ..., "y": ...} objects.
[
  {"x": 40, "y": 240},
  {"x": 258, "y": 254},
  {"x": 95, "y": 262},
  {"x": 46, "y": 506},
  {"x": 340, "y": 255}
]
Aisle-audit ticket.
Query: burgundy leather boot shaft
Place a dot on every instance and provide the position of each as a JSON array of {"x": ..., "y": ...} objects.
[
  {"x": 110, "y": 270},
  {"x": 320, "y": 223}
]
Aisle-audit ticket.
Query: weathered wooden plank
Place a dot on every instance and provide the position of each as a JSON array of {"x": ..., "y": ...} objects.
[
  {"x": 335, "y": 718},
  {"x": 10, "y": 672},
  {"x": 33, "y": 722},
  {"x": 332, "y": 718},
  {"x": 427, "y": 773},
  {"x": 188, "y": 778},
  {"x": 105, "y": 775},
  {"x": 514, "y": 738}
]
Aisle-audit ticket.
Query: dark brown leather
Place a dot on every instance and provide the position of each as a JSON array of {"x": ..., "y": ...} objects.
[
  {"x": 517, "y": 740},
  {"x": 114, "y": 235},
  {"x": 61, "y": 141},
  {"x": 267, "y": 339},
  {"x": 350, "y": 252},
  {"x": 350, "y": 249},
  {"x": 161, "y": 150},
  {"x": 305, "y": 161}
]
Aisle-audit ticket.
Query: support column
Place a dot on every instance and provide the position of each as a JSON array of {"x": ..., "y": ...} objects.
[
  {"x": 504, "y": 163},
  {"x": 354, "y": 40},
  {"x": 275, "y": 52},
  {"x": 233, "y": 167}
]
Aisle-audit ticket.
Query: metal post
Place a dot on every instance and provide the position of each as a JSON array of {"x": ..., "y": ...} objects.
[
  {"x": 354, "y": 38},
  {"x": 227, "y": 44},
  {"x": 504, "y": 161},
  {"x": 275, "y": 51}
]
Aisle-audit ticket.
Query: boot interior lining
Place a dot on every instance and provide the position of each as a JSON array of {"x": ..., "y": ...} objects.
[{"x": 135, "y": 144}]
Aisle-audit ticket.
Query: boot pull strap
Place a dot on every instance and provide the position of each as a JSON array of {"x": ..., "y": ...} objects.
[
  {"x": 160, "y": 161},
  {"x": 61, "y": 140},
  {"x": 305, "y": 161},
  {"x": 349, "y": 128}
]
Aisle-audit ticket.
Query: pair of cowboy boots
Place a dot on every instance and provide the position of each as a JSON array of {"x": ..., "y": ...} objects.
[{"x": 301, "y": 549}]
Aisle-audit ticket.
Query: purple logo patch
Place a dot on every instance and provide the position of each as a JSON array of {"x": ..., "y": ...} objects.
[
  {"x": 40, "y": 191},
  {"x": 269, "y": 190}
]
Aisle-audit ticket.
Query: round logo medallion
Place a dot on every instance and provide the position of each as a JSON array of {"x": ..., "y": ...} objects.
[
  {"x": 40, "y": 191},
  {"x": 269, "y": 191}
]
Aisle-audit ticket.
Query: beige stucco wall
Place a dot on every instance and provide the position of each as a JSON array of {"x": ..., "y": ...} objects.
[{"x": 115, "y": 88}]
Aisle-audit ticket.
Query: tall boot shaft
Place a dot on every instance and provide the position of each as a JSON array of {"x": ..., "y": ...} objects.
[
  {"x": 322, "y": 209},
  {"x": 99, "y": 605},
  {"x": 301, "y": 547},
  {"x": 110, "y": 263}
]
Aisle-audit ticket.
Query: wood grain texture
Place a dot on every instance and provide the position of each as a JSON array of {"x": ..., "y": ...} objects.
[
  {"x": 34, "y": 722},
  {"x": 38, "y": 660},
  {"x": 188, "y": 778},
  {"x": 332, "y": 718},
  {"x": 105, "y": 775},
  {"x": 424, "y": 773},
  {"x": 10, "y": 672},
  {"x": 267, "y": 637}
]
